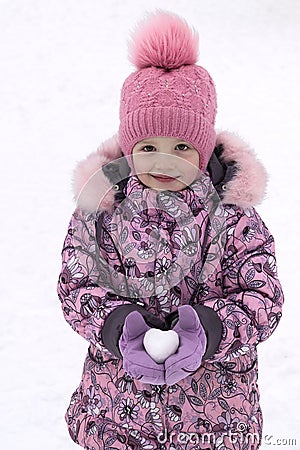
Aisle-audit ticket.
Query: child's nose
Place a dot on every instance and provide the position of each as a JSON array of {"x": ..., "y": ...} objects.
[{"x": 165, "y": 160}]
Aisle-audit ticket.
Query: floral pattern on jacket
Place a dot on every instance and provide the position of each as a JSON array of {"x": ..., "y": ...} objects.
[{"x": 217, "y": 406}]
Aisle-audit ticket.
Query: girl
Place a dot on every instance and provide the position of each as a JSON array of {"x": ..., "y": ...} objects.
[{"x": 168, "y": 270}]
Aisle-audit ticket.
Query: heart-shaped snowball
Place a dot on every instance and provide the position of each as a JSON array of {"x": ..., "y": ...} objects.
[{"x": 160, "y": 344}]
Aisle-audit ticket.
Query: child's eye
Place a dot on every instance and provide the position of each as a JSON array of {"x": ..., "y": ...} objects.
[
  {"x": 182, "y": 147},
  {"x": 148, "y": 148}
]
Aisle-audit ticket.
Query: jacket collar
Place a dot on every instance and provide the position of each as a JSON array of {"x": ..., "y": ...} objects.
[{"x": 238, "y": 176}]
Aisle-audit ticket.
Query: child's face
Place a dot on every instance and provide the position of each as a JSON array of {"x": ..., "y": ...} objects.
[{"x": 165, "y": 163}]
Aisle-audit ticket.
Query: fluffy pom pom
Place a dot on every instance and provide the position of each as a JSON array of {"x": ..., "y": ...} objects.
[{"x": 164, "y": 40}]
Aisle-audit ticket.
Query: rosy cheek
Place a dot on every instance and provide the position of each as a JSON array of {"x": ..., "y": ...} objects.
[{"x": 142, "y": 164}]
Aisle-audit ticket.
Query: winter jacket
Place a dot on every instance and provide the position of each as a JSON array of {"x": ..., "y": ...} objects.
[{"x": 131, "y": 248}]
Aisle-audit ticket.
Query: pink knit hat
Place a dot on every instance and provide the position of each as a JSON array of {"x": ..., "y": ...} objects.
[{"x": 169, "y": 95}]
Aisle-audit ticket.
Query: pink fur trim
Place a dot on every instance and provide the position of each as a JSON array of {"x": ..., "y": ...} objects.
[
  {"x": 165, "y": 40},
  {"x": 248, "y": 186},
  {"x": 92, "y": 190}
]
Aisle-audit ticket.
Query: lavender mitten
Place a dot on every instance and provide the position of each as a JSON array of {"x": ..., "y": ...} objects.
[
  {"x": 136, "y": 361},
  {"x": 192, "y": 346}
]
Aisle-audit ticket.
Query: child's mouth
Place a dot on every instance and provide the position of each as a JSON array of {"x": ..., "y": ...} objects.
[{"x": 164, "y": 178}]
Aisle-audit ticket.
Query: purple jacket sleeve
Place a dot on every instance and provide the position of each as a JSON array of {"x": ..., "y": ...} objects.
[
  {"x": 90, "y": 288},
  {"x": 251, "y": 304}
]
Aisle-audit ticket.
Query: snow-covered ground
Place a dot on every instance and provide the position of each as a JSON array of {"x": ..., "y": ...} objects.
[{"x": 62, "y": 66}]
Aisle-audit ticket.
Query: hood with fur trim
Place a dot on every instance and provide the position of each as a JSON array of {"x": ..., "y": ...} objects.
[{"x": 236, "y": 173}]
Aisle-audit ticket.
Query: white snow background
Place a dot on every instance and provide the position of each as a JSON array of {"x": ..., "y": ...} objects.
[{"x": 62, "y": 66}]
